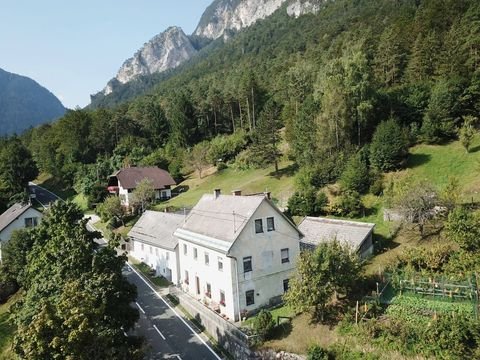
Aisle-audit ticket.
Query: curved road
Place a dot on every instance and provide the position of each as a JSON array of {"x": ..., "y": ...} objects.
[{"x": 42, "y": 195}]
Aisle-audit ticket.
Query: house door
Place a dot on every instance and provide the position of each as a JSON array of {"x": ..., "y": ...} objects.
[{"x": 197, "y": 284}]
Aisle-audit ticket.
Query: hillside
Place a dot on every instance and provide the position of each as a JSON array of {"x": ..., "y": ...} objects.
[
  {"x": 24, "y": 103},
  {"x": 248, "y": 181}
]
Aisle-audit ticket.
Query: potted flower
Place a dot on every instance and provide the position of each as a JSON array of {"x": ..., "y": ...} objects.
[{"x": 222, "y": 302}]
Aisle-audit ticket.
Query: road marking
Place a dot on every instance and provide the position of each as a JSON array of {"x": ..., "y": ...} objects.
[
  {"x": 163, "y": 337},
  {"x": 143, "y": 311},
  {"x": 40, "y": 187},
  {"x": 178, "y": 357},
  {"x": 175, "y": 312}
]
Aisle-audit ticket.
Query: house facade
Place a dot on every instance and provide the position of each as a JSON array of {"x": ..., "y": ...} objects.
[
  {"x": 358, "y": 235},
  {"x": 125, "y": 181},
  {"x": 236, "y": 253},
  {"x": 152, "y": 242},
  {"x": 18, "y": 216}
]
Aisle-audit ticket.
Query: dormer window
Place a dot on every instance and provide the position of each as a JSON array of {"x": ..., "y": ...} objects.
[
  {"x": 258, "y": 226},
  {"x": 270, "y": 224}
]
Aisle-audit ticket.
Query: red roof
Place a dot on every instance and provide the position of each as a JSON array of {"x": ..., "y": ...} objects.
[{"x": 129, "y": 177}]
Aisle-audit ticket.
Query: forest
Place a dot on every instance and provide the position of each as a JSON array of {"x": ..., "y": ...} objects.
[{"x": 329, "y": 80}]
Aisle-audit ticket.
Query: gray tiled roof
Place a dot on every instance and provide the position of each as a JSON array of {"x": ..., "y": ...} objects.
[
  {"x": 157, "y": 228},
  {"x": 317, "y": 230},
  {"x": 12, "y": 213},
  {"x": 222, "y": 217}
]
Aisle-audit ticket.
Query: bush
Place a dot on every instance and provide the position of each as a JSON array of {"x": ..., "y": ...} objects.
[
  {"x": 264, "y": 323},
  {"x": 316, "y": 352},
  {"x": 225, "y": 147},
  {"x": 348, "y": 204},
  {"x": 221, "y": 166},
  {"x": 356, "y": 176},
  {"x": 307, "y": 203}
]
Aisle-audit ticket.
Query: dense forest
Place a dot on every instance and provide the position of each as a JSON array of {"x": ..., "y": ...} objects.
[{"x": 329, "y": 79}]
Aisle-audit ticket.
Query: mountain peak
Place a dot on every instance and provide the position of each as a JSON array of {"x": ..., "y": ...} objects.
[
  {"x": 223, "y": 15},
  {"x": 164, "y": 51}
]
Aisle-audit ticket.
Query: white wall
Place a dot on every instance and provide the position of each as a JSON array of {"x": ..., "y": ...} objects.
[
  {"x": 18, "y": 224},
  {"x": 268, "y": 271},
  {"x": 218, "y": 279},
  {"x": 123, "y": 194},
  {"x": 165, "y": 262}
]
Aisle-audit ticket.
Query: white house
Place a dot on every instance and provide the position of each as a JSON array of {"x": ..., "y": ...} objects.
[
  {"x": 356, "y": 234},
  {"x": 236, "y": 253},
  {"x": 152, "y": 241},
  {"x": 124, "y": 181},
  {"x": 18, "y": 216}
]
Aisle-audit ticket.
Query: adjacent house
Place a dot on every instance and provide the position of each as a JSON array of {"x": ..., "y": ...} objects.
[
  {"x": 18, "y": 216},
  {"x": 237, "y": 253},
  {"x": 152, "y": 242},
  {"x": 356, "y": 234},
  {"x": 124, "y": 181}
]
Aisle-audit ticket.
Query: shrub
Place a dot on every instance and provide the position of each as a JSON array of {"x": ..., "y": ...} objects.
[
  {"x": 356, "y": 176},
  {"x": 348, "y": 204},
  {"x": 307, "y": 203},
  {"x": 264, "y": 323},
  {"x": 316, "y": 352}
]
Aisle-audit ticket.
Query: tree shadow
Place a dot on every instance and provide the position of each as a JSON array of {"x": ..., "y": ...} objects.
[
  {"x": 286, "y": 171},
  {"x": 281, "y": 331},
  {"x": 415, "y": 160},
  {"x": 474, "y": 149},
  {"x": 180, "y": 189}
]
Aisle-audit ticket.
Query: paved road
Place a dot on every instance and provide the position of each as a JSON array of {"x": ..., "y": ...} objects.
[
  {"x": 169, "y": 335},
  {"x": 42, "y": 195}
]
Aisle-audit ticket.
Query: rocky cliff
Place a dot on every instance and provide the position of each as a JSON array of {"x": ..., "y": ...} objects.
[
  {"x": 24, "y": 103},
  {"x": 223, "y": 15},
  {"x": 165, "y": 51}
]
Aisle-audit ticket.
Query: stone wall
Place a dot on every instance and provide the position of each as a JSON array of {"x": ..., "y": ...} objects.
[{"x": 225, "y": 333}]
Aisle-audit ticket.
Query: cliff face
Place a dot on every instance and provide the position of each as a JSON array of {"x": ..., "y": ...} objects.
[
  {"x": 172, "y": 47},
  {"x": 165, "y": 51},
  {"x": 224, "y": 15},
  {"x": 24, "y": 103}
]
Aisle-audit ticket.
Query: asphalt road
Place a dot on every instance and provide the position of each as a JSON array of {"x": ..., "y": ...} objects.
[
  {"x": 42, "y": 195},
  {"x": 169, "y": 336}
]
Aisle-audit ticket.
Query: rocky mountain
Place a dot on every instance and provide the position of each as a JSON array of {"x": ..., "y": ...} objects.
[
  {"x": 25, "y": 103},
  {"x": 172, "y": 47},
  {"x": 165, "y": 51},
  {"x": 223, "y": 15}
]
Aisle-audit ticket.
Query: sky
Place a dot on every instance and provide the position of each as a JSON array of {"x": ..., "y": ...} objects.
[{"x": 74, "y": 47}]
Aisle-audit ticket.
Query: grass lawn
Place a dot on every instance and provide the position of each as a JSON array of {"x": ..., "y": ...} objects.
[
  {"x": 249, "y": 181},
  {"x": 6, "y": 330},
  {"x": 437, "y": 163}
]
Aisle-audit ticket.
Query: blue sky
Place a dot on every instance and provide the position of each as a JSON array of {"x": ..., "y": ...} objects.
[{"x": 73, "y": 47}]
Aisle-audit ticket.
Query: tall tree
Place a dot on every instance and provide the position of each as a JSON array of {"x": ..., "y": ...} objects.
[
  {"x": 76, "y": 303},
  {"x": 266, "y": 139}
]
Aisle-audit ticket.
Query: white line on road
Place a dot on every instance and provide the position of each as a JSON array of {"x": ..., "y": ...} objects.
[
  {"x": 143, "y": 311},
  {"x": 173, "y": 310},
  {"x": 178, "y": 357},
  {"x": 163, "y": 337}
]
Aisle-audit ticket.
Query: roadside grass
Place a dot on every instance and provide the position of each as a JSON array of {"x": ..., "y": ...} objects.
[
  {"x": 6, "y": 329},
  {"x": 249, "y": 181},
  {"x": 146, "y": 270}
]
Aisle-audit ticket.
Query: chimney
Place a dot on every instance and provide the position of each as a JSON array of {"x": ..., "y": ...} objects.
[
  {"x": 268, "y": 195},
  {"x": 216, "y": 193},
  {"x": 237, "y": 192}
]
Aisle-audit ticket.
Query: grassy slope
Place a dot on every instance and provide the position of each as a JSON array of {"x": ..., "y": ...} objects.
[{"x": 249, "y": 181}]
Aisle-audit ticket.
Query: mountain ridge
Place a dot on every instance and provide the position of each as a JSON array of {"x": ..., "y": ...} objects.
[{"x": 25, "y": 103}]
